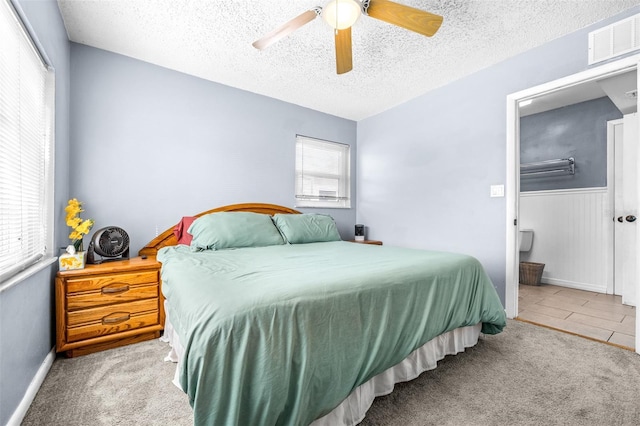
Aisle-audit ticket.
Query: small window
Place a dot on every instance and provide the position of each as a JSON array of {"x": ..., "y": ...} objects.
[{"x": 323, "y": 177}]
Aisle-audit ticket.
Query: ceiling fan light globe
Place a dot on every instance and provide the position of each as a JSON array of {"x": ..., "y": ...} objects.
[{"x": 341, "y": 14}]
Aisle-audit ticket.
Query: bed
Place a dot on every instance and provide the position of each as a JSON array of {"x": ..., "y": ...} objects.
[{"x": 307, "y": 329}]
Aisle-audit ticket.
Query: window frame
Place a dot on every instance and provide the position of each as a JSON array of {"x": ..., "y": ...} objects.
[{"x": 307, "y": 199}]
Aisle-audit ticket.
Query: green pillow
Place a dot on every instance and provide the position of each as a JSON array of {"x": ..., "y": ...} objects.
[
  {"x": 224, "y": 230},
  {"x": 306, "y": 228}
]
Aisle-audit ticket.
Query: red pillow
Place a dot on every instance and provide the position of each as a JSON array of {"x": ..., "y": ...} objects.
[{"x": 180, "y": 230}]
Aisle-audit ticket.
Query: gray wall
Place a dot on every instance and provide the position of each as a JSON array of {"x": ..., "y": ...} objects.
[
  {"x": 150, "y": 145},
  {"x": 27, "y": 319},
  {"x": 578, "y": 131},
  {"x": 425, "y": 167}
]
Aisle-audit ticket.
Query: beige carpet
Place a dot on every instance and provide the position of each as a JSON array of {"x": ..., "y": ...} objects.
[{"x": 528, "y": 375}]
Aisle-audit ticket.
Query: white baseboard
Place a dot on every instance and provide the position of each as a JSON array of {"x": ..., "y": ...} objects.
[
  {"x": 574, "y": 284},
  {"x": 32, "y": 390}
]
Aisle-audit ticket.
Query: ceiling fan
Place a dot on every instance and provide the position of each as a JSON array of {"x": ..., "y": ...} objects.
[{"x": 342, "y": 14}]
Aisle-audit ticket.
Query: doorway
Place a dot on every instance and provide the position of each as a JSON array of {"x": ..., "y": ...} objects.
[{"x": 546, "y": 91}]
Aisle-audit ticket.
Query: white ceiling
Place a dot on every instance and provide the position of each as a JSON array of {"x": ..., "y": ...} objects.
[{"x": 212, "y": 39}]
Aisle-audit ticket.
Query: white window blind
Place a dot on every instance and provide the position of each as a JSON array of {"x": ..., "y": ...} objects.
[
  {"x": 322, "y": 173},
  {"x": 26, "y": 127}
]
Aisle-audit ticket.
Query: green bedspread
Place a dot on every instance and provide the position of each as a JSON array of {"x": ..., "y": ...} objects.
[{"x": 281, "y": 335}]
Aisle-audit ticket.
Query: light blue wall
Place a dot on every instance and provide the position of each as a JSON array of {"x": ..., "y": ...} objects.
[
  {"x": 147, "y": 146},
  {"x": 578, "y": 131},
  {"x": 27, "y": 319},
  {"x": 425, "y": 167},
  {"x": 150, "y": 145}
]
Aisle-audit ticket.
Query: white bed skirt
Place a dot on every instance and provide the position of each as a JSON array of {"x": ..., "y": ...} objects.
[{"x": 353, "y": 409}]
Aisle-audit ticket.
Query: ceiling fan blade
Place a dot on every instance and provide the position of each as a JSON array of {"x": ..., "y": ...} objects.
[
  {"x": 407, "y": 17},
  {"x": 344, "y": 60},
  {"x": 285, "y": 29}
]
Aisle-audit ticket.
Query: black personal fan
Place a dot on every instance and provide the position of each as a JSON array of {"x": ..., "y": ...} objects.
[{"x": 110, "y": 243}]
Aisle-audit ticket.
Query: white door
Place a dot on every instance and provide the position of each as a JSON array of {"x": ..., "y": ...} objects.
[{"x": 626, "y": 208}]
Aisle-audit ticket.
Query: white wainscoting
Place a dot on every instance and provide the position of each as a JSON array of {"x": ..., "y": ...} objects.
[{"x": 573, "y": 236}]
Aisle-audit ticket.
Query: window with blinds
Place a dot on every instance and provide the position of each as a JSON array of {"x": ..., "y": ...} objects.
[
  {"x": 26, "y": 129},
  {"x": 322, "y": 173}
]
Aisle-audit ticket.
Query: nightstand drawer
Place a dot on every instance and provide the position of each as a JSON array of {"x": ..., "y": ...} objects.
[
  {"x": 111, "y": 293},
  {"x": 105, "y": 314},
  {"x": 116, "y": 322},
  {"x": 114, "y": 281}
]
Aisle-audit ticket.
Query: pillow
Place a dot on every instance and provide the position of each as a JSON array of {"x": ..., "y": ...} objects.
[
  {"x": 180, "y": 230},
  {"x": 224, "y": 230},
  {"x": 307, "y": 228}
]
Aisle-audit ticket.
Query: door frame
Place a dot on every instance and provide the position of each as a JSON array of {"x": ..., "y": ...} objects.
[{"x": 512, "y": 189}]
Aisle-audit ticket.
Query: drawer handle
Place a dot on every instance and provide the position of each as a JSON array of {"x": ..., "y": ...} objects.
[
  {"x": 115, "y": 320},
  {"x": 110, "y": 290}
]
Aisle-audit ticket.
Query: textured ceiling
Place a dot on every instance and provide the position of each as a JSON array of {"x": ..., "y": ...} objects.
[{"x": 212, "y": 39}]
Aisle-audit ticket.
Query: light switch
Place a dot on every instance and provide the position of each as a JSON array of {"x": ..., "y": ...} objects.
[{"x": 497, "y": 190}]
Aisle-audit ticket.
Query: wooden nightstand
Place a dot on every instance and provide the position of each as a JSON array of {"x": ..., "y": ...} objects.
[
  {"x": 108, "y": 305},
  {"x": 374, "y": 242}
]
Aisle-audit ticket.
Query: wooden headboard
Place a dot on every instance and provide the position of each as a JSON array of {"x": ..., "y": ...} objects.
[{"x": 167, "y": 238}]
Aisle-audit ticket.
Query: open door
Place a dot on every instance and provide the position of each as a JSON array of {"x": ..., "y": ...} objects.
[
  {"x": 626, "y": 208},
  {"x": 637, "y": 124}
]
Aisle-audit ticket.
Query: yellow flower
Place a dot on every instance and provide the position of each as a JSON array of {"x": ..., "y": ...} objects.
[
  {"x": 73, "y": 208},
  {"x": 79, "y": 227},
  {"x": 73, "y": 222},
  {"x": 84, "y": 227}
]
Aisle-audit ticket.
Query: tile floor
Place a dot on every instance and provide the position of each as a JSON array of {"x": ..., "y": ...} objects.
[{"x": 594, "y": 315}]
